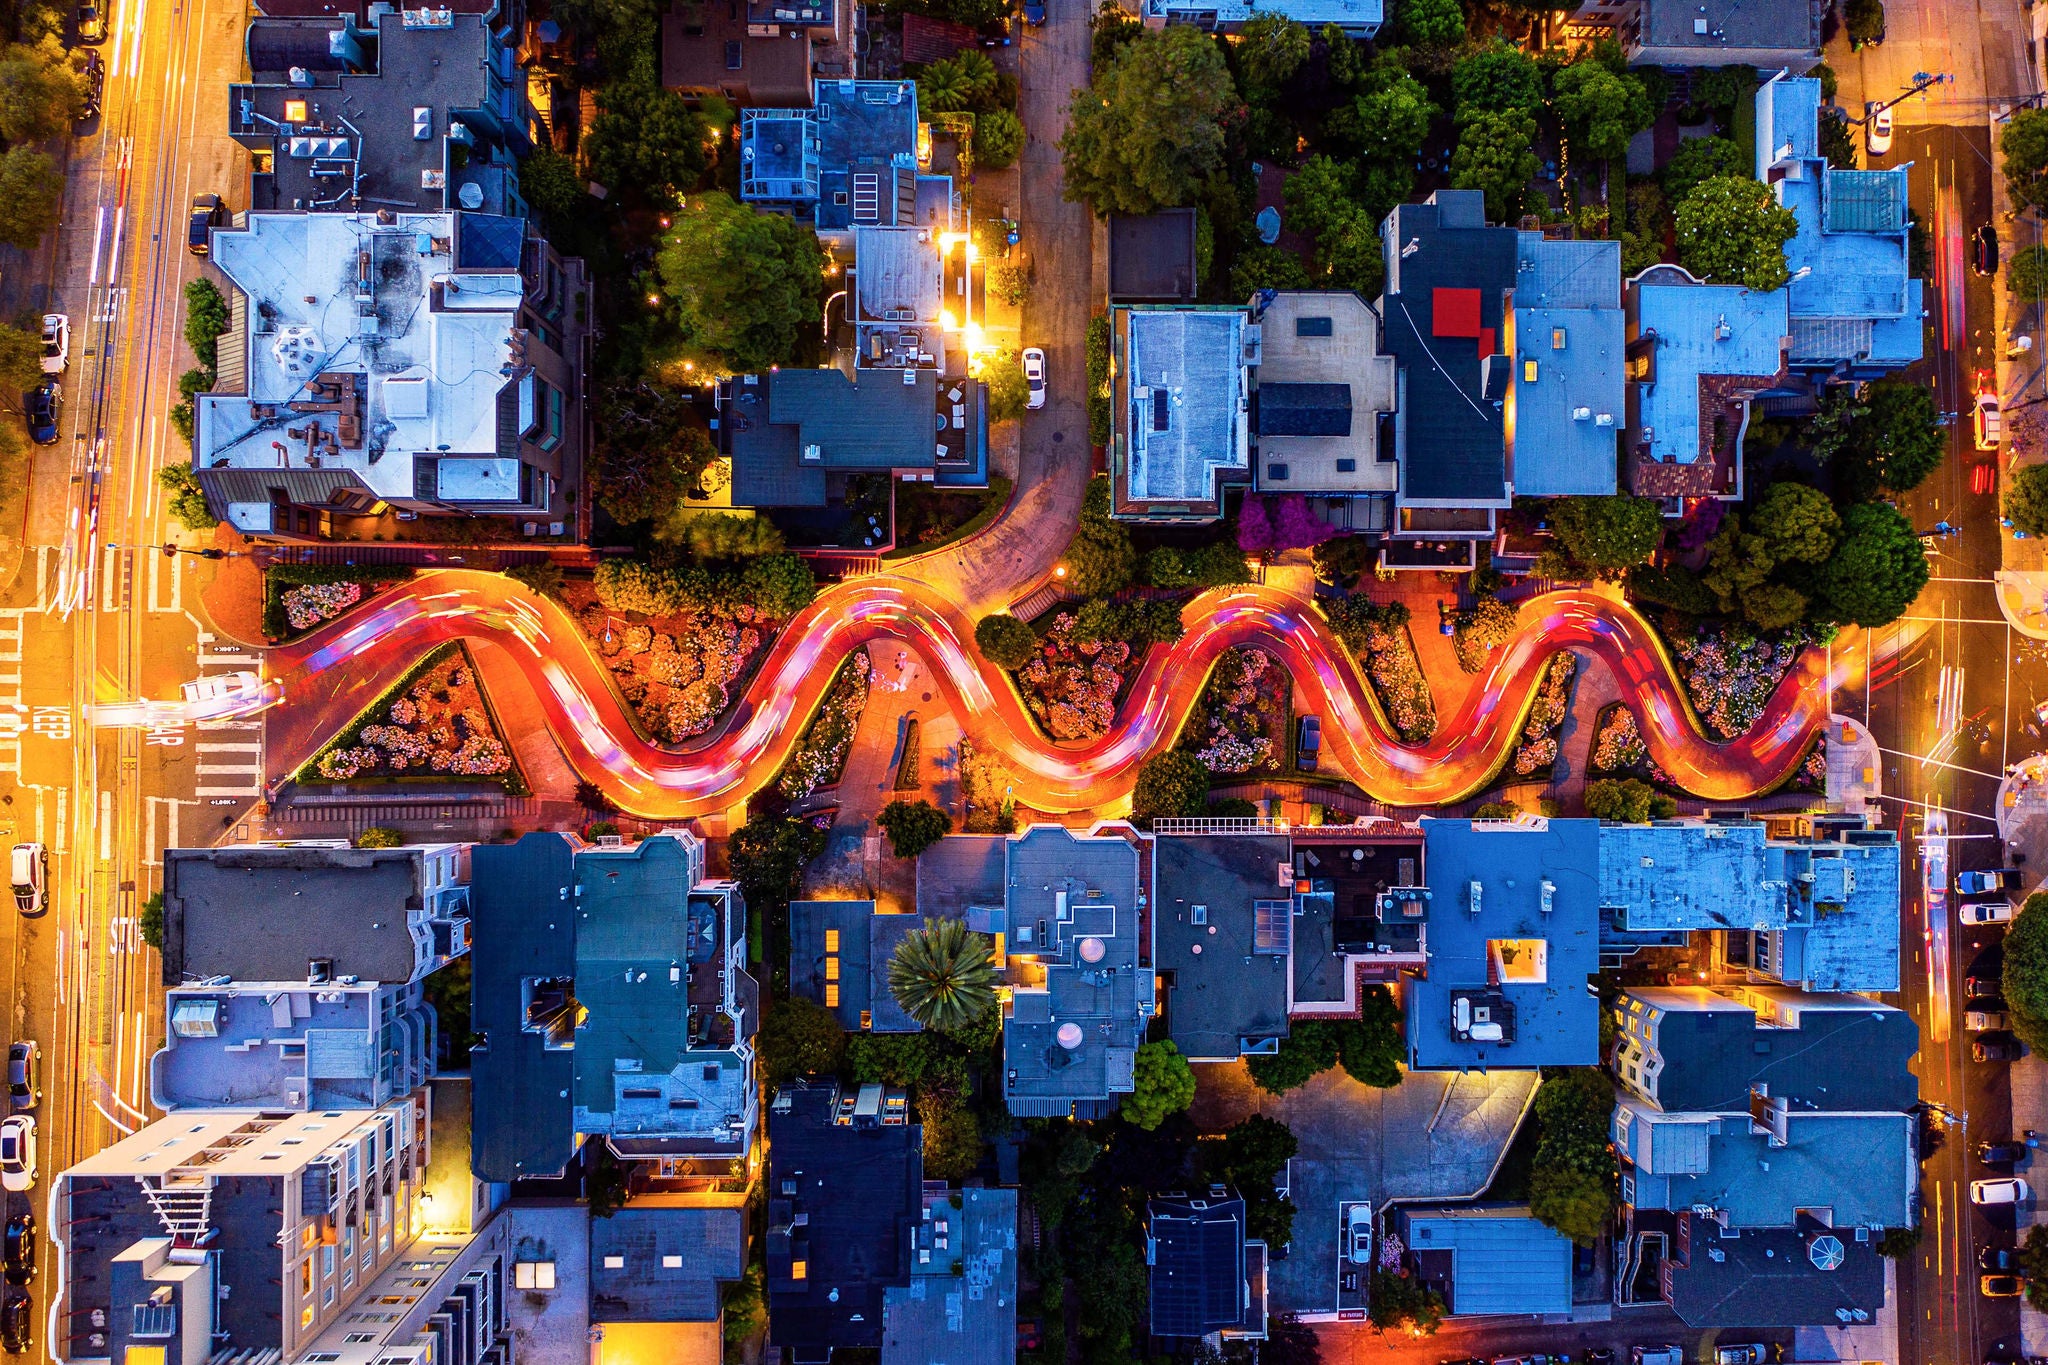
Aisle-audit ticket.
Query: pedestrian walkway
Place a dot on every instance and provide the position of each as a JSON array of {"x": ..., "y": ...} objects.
[
  {"x": 228, "y": 753},
  {"x": 1854, "y": 772},
  {"x": 2023, "y": 600}
]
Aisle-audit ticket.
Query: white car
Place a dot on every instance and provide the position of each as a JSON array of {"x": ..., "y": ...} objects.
[
  {"x": 1984, "y": 912},
  {"x": 2011, "y": 1190},
  {"x": 1358, "y": 1233},
  {"x": 1986, "y": 1020},
  {"x": 28, "y": 869},
  {"x": 1988, "y": 422},
  {"x": 56, "y": 342},
  {"x": 1034, "y": 376},
  {"x": 1880, "y": 136},
  {"x": 17, "y": 1152}
]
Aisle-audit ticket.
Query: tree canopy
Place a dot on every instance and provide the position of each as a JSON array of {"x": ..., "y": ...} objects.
[
  {"x": 1878, "y": 569},
  {"x": 1573, "y": 1186},
  {"x": 768, "y": 855},
  {"x": 1759, "y": 564},
  {"x": 1369, "y": 1048},
  {"x": 1731, "y": 231},
  {"x": 1627, "y": 800},
  {"x": 744, "y": 284},
  {"x": 1499, "y": 78},
  {"x": 942, "y": 974},
  {"x": 998, "y": 138},
  {"x": 1607, "y": 534},
  {"x": 1322, "y": 204},
  {"x": 1894, "y": 444},
  {"x": 798, "y": 1038},
  {"x": 1162, "y": 1084},
  {"x": 1700, "y": 159},
  {"x": 1270, "y": 48},
  {"x": 1100, "y": 558},
  {"x": 2026, "y": 274},
  {"x": 21, "y": 357},
  {"x": 1390, "y": 120},
  {"x": 2025, "y": 974},
  {"x": 1004, "y": 640},
  {"x": 913, "y": 826},
  {"x": 1496, "y": 155},
  {"x": 1150, "y": 127},
  {"x": 645, "y": 141},
  {"x": 41, "y": 93},
  {"x": 1431, "y": 23},
  {"x": 31, "y": 196},
  {"x": 2026, "y": 498},
  {"x": 2024, "y": 145},
  {"x": 1170, "y": 784},
  {"x": 1603, "y": 110}
]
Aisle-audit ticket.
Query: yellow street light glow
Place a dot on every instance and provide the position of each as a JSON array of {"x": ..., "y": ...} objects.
[
  {"x": 972, "y": 335},
  {"x": 947, "y": 320},
  {"x": 973, "y": 252}
]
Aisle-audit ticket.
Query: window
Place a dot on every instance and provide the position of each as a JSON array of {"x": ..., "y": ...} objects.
[
  {"x": 614, "y": 1263},
  {"x": 359, "y": 1338},
  {"x": 1557, "y": 338},
  {"x": 831, "y": 969},
  {"x": 551, "y": 431},
  {"x": 671, "y": 1263},
  {"x": 327, "y": 1299},
  {"x": 832, "y": 995},
  {"x": 831, "y": 940},
  {"x": 799, "y": 1270},
  {"x": 1528, "y": 371},
  {"x": 305, "y": 1279},
  {"x": 1347, "y": 466},
  {"x": 1313, "y": 327},
  {"x": 326, "y": 1261},
  {"x": 1276, "y": 472}
]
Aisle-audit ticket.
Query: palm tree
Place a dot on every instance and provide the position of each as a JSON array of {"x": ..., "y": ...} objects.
[{"x": 942, "y": 975}]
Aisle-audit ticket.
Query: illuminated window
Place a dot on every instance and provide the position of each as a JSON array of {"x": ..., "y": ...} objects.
[
  {"x": 1528, "y": 372},
  {"x": 831, "y": 940},
  {"x": 306, "y": 1316},
  {"x": 305, "y": 1278},
  {"x": 294, "y": 111},
  {"x": 831, "y": 997},
  {"x": 1557, "y": 338},
  {"x": 799, "y": 1270},
  {"x": 831, "y": 969}
]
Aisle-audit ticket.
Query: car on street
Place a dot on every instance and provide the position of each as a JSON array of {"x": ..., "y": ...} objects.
[
  {"x": 1034, "y": 376},
  {"x": 208, "y": 213},
  {"x": 1999, "y": 1286},
  {"x": 1879, "y": 132},
  {"x": 1748, "y": 1354},
  {"x": 1996, "y": 1049},
  {"x": 2006, "y": 1190},
  {"x": 1984, "y": 912},
  {"x": 28, "y": 869},
  {"x": 92, "y": 22},
  {"x": 18, "y": 1248},
  {"x": 24, "y": 1074},
  {"x": 1986, "y": 1016},
  {"x": 1308, "y": 743},
  {"x": 1034, "y": 12},
  {"x": 1983, "y": 983},
  {"x": 44, "y": 404},
  {"x": 2001, "y": 1153},
  {"x": 1987, "y": 422},
  {"x": 56, "y": 342},
  {"x": 17, "y": 1152},
  {"x": 17, "y": 1325},
  {"x": 95, "y": 78},
  {"x": 1998, "y": 1258},
  {"x": 1656, "y": 1355},
  {"x": 1988, "y": 879},
  {"x": 1984, "y": 250},
  {"x": 1358, "y": 1233}
]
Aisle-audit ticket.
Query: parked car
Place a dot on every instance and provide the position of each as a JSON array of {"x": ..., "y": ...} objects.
[
  {"x": 1600, "y": 1355},
  {"x": 1984, "y": 912},
  {"x": 1999, "y": 1286},
  {"x": 1034, "y": 12},
  {"x": 1308, "y": 743},
  {"x": 2005, "y": 1190},
  {"x": 1656, "y": 1355},
  {"x": 1034, "y": 376},
  {"x": 24, "y": 1074},
  {"x": 1358, "y": 1233},
  {"x": 92, "y": 22},
  {"x": 45, "y": 404},
  {"x": 1987, "y": 1016},
  {"x": 1984, "y": 250},
  {"x": 56, "y": 342},
  {"x": 17, "y": 1325},
  {"x": 2001, "y": 1153},
  {"x": 1988, "y": 879},
  {"x": 17, "y": 1152},
  {"x": 208, "y": 213},
  {"x": 1982, "y": 984},
  {"x": 1996, "y": 1049},
  {"x": 95, "y": 77},
  {"x": 1998, "y": 1258},
  {"x": 18, "y": 1249},
  {"x": 28, "y": 868},
  {"x": 1749, "y": 1354},
  {"x": 1989, "y": 422},
  {"x": 1879, "y": 132}
]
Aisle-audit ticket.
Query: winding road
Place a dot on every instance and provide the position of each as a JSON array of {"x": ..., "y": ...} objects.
[{"x": 331, "y": 675}]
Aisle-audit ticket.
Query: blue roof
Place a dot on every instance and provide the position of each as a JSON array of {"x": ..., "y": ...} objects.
[
  {"x": 488, "y": 241},
  {"x": 1539, "y": 959},
  {"x": 1787, "y": 121},
  {"x": 853, "y": 155},
  {"x": 1689, "y": 875},
  {"x": 1565, "y": 423},
  {"x": 519, "y": 904},
  {"x": 1501, "y": 1259},
  {"x": 1861, "y": 1166},
  {"x": 1702, "y": 329},
  {"x": 1855, "y": 947},
  {"x": 1196, "y": 1249},
  {"x": 1182, "y": 418},
  {"x": 960, "y": 1306}
]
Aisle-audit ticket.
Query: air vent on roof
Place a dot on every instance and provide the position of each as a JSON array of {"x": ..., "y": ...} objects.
[{"x": 422, "y": 122}]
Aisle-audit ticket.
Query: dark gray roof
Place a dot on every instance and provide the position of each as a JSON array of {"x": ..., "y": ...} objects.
[
  {"x": 809, "y": 922},
  {"x": 961, "y": 1305},
  {"x": 878, "y": 423},
  {"x": 709, "y": 1245},
  {"x": 519, "y": 905},
  {"x": 1198, "y": 1263},
  {"x": 1229, "y": 985},
  {"x": 961, "y": 871},
  {"x": 262, "y": 914},
  {"x": 1455, "y": 446},
  {"x": 1304, "y": 409},
  {"x": 305, "y": 487},
  {"x": 1791, "y": 26},
  {"x": 858, "y": 1191},
  {"x": 275, "y": 46},
  {"x": 1152, "y": 257},
  {"x": 1769, "y": 1279},
  {"x": 1848, "y": 1060}
]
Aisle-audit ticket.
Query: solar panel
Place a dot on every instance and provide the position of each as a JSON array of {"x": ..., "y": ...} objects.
[{"x": 1272, "y": 926}]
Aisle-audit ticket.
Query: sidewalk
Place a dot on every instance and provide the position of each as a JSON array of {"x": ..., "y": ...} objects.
[{"x": 1855, "y": 774}]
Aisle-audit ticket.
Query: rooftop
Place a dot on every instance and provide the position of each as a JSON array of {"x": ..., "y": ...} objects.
[
  {"x": 1490, "y": 1259},
  {"x": 787, "y": 429},
  {"x": 1691, "y": 874},
  {"x": 831, "y": 959},
  {"x": 1181, "y": 401},
  {"x": 1787, "y": 28},
  {"x": 960, "y": 1307},
  {"x": 1152, "y": 257},
  {"x": 708, "y": 45},
  {"x": 1773, "y": 1279},
  {"x": 1360, "y": 18},
  {"x": 314, "y": 1047},
  {"x": 672, "y": 1261},
  {"x": 1861, "y": 1169},
  {"x": 850, "y": 160},
  {"x": 522, "y": 1119},
  {"x": 1224, "y": 917},
  {"x": 1695, "y": 335},
  {"x": 1320, "y": 356},
  {"x": 1568, "y": 399},
  {"x": 1196, "y": 1247}
]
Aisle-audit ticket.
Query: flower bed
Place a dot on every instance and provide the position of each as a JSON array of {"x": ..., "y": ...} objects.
[
  {"x": 676, "y": 673},
  {"x": 433, "y": 723},
  {"x": 985, "y": 793},
  {"x": 1619, "y": 751},
  {"x": 1537, "y": 753},
  {"x": 1240, "y": 724},
  {"x": 1812, "y": 773},
  {"x": 301, "y": 597},
  {"x": 1071, "y": 686},
  {"x": 1730, "y": 672},
  {"x": 1378, "y": 636},
  {"x": 821, "y": 756}
]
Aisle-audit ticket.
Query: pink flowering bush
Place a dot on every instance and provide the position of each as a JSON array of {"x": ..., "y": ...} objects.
[
  {"x": 1538, "y": 749},
  {"x": 821, "y": 756},
  {"x": 308, "y": 605},
  {"x": 1243, "y": 703},
  {"x": 676, "y": 672},
  {"x": 1730, "y": 672},
  {"x": 1377, "y": 635},
  {"x": 1619, "y": 750},
  {"x": 1072, "y": 686},
  {"x": 437, "y": 724}
]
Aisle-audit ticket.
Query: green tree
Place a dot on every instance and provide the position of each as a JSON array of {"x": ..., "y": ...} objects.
[
  {"x": 607, "y": 1183},
  {"x": 1499, "y": 78},
  {"x": 1894, "y": 445},
  {"x": 1723, "y": 87},
  {"x": 1607, "y": 535},
  {"x": 1798, "y": 524},
  {"x": 1392, "y": 119},
  {"x": 1878, "y": 569},
  {"x": 1603, "y": 110},
  {"x": 2034, "y": 1266},
  {"x": 1577, "y": 1205},
  {"x": 1898, "y": 1243},
  {"x": 942, "y": 974},
  {"x": 549, "y": 182},
  {"x": 798, "y": 1038},
  {"x": 1573, "y": 1186},
  {"x": 2025, "y": 973},
  {"x": 743, "y": 284},
  {"x": 913, "y": 826},
  {"x": 1266, "y": 267},
  {"x": 964, "y": 81},
  {"x": 1431, "y": 23},
  {"x": 724, "y": 535},
  {"x": 768, "y": 855},
  {"x": 1253, "y": 1151},
  {"x": 1627, "y": 800},
  {"x": 2026, "y": 274},
  {"x": 2026, "y": 498},
  {"x": 1731, "y": 231},
  {"x": 1496, "y": 154},
  {"x": 41, "y": 93},
  {"x": 645, "y": 141},
  {"x": 21, "y": 357},
  {"x": 380, "y": 836},
  {"x": 31, "y": 196},
  {"x": 1100, "y": 558},
  {"x": 1162, "y": 1084},
  {"x": 1837, "y": 142},
  {"x": 743, "y": 1309},
  {"x": 1003, "y": 374},
  {"x": 649, "y": 453},
  {"x": 186, "y": 502},
  {"x": 1371, "y": 1047},
  {"x": 206, "y": 318},
  {"x": 1308, "y": 1050},
  {"x": 1398, "y": 1301},
  {"x": 1170, "y": 784},
  {"x": 1321, "y": 204},
  {"x": 149, "y": 922},
  {"x": 1646, "y": 218},
  {"x": 952, "y": 1137},
  {"x": 998, "y": 138},
  {"x": 779, "y": 585},
  {"x": 1149, "y": 129},
  {"x": 1699, "y": 159},
  {"x": 2024, "y": 144},
  {"x": 1004, "y": 640},
  {"x": 1270, "y": 48}
]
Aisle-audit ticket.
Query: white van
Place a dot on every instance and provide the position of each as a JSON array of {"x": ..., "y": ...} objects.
[{"x": 29, "y": 870}]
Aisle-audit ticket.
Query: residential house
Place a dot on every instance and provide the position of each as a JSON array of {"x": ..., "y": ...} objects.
[
  {"x": 658, "y": 1271},
  {"x": 306, "y": 1217},
  {"x": 1768, "y": 34},
  {"x": 754, "y": 53},
  {"x": 851, "y": 160},
  {"x": 1356, "y": 18},
  {"x": 1152, "y": 257},
  {"x": 1223, "y": 919},
  {"x": 1486, "y": 1260},
  {"x": 1322, "y": 406},
  {"x": 324, "y": 1010},
  {"x": 1567, "y": 395},
  {"x": 1513, "y": 922},
  {"x": 612, "y": 1000},
  {"x": 1180, "y": 398},
  {"x": 1206, "y": 1278},
  {"x": 383, "y": 367},
  {"x": 1768, "y": 1138},
  {"x": 845, "y": 1205},
  {"x": 960, "y": 1306}
]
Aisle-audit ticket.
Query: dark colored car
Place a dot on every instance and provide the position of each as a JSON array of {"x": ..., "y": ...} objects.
[
  {"x": 1996, "y": 1050},
  {"x": 1308, "y": 743},
  {"x": 208, "y": 213},
  {"x": 17, "y": 1325},
  {"x": 95, "y": 76},
  {"x": 92, "y": 22},
  {"x": 1998, "y": 1258},
  {"x": 1034, "y": 12},
  {"x": 1974, "y": 986},
  {"x": 45, "y": 403},
  {"x": 18, "y": 1249},
  {"x": 1984, "y": 250},
  {"x": 2001, "y": 1153},
  {"x": 24, "y": 1074},
  {"x": 1600, "y": 1355}
]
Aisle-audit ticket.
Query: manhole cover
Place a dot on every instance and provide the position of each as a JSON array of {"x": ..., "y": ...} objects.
[
  {"x": 1058, "y": 436},
  {"x": 927, "y": 696}
]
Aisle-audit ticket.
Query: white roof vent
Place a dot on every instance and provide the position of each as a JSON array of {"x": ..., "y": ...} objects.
[
  {"x": 422, "y": 122},
  {"x": 1068, "y": 1035},
  {"x": 1581, "y": 414},
  {"x": 297, "y": 350}
]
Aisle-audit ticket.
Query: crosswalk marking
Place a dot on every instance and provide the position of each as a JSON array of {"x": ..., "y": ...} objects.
[{"x": 229, "y": 752}]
